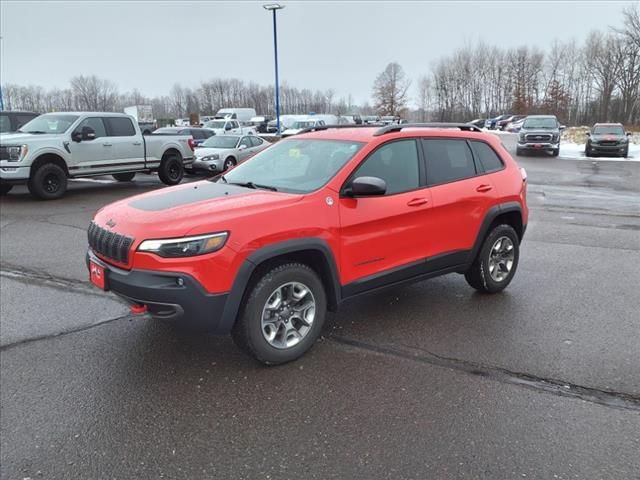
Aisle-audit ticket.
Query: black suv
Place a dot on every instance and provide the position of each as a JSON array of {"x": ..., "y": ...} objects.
[
  {"x": 12, "y": 121},
  {"x": 540, "y": 133},
  {"x": 607, "y": 138}
]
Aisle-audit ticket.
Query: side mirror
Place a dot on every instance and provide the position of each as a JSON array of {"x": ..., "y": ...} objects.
[
  {"x": 88, "y": 133},
  {"x": 561, "y": 127},
  {"x": 366, "y": 186},
  {"x": 629, "y": 134},
  {"x": 588, "y": 134},
  {"x": 242, "y": 147},
  {"x": 227, "y": 127},
  {"x": 76, "y": 136}
]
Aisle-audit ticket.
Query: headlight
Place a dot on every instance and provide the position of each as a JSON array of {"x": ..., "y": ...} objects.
[
  {"x": 215, "y": 156},
  {"x": 17, "y": 153},
  {"x": 186, "y": 246},
  {"x": 521, "y": 137}
]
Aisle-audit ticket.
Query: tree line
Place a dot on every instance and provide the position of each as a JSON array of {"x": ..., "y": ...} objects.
[{"x": 598, "y": 80}]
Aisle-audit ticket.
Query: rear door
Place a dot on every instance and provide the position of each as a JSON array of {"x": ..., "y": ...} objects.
[
  {"x": 383, "y": 237},
  {"x": 126, "y": 142},
  {"x": 461, "y": 194}
]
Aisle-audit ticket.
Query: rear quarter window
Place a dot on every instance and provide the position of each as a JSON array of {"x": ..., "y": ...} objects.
[
  {"x": 489, "y": 159},
  {"x": 448, "y": 160},
  {"x": 120, "y": 127}
]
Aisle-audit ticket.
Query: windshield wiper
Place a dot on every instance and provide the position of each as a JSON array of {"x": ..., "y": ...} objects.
[{"x": 253, "y": 185}]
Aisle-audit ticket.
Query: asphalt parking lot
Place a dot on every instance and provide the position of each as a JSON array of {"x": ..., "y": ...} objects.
[{"x": 426, "y": 381}]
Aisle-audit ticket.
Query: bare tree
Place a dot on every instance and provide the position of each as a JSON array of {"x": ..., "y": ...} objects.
[
  {"x": 390, "y": 90},
  {"x": 424, "y": 97}
]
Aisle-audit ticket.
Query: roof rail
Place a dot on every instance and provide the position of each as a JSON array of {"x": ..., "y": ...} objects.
[
  {"x": 398, "y": 127},
  {"x": 326, "y": 127}
]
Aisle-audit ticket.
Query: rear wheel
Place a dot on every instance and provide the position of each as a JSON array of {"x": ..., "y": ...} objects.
[
  {"x": 4, "y": 189},
  {"x": 496, "y": 263},
  {"x": 171, "y": 169},
  {"x": 124, "y": 177},
  {"x": 48, "y": 182},
  {"x": 283, "y": 314}
]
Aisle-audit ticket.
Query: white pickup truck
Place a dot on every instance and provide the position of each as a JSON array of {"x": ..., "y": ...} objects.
[
  {"x": 225, "y": 126},
  {"x": 54, "y": 147}
]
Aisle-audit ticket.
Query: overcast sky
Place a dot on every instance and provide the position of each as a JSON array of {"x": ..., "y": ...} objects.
[{"x": 342, "y": 45}]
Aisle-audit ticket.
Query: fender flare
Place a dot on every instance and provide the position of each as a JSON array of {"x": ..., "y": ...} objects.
[
  {"x": 489, "y": 217},
  {"x": 234, "y": 299}
]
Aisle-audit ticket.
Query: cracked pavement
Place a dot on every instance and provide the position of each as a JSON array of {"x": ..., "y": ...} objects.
[{"x": 426, "y": 381}]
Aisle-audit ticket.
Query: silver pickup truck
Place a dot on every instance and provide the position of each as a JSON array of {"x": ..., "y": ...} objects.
[{"x": 54, "y": 147}]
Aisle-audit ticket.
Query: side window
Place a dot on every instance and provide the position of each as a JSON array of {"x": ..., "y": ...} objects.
[
  {"x": 448, "y": 160},
  {"x": 489, "y": 159},
  {"x": 5, "y": 124},
  {"x": 197, "y": 134},
  {"x": 120, "y": 127},
  {"x": 207, "y": 133},
  {"x": 396, "y": 163},
  {"x": 246, "y": 141},
  {"x": 256, "y": 142},
  {"x": 96, "y": 123}
]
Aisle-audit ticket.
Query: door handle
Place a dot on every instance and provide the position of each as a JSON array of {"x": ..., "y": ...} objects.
[
  {"x": 416, "y": 202},
  {"x": 108, "y": 144},
  {"x": 483, "y": 188},
  {"x": 137, "y": 143}
]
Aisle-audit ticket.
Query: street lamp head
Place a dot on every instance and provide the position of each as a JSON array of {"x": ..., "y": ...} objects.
[{"x": 273, "y": 6}]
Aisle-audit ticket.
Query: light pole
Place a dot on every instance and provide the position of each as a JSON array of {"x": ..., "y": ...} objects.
[{"x": 274, "y": 7}]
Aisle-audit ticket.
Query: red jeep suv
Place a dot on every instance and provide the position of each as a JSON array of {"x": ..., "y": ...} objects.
[{"x": 265, "y": 250}]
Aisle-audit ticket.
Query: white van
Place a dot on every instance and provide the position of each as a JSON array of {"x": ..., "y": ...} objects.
[{"x": 243, "y": 115}]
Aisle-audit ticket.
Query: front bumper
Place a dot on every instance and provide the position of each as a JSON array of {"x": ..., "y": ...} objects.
[
  {"x": 609, "y": 149},
  {"x": 539, "y": 147},
  {"x": 14, "y": 175},
  {"x": 214, "y": 166},
  {"x": 168, "y": 295}
]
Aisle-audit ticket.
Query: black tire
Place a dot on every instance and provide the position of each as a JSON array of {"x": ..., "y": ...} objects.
[
  {"x": 556, "y": 152},
  {"x": 48, "y": 182},
  {"x": 625, "y": 154},
  {"x": 479, "y": 276},
  {"x": 124, "y": 177},
  {"x": 230, "y": 162},
  {"x": 519, "y": 152},
  {"x": 4, "y": 189},
  {"x": 247, "y": 332},
  {"x": 171, "y": 169},
  {"x": 587, "y": 152}
]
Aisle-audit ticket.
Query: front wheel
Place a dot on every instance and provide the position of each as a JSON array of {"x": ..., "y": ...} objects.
[
  {"x": 48, "y": 182},
  {"x": 496, "y": 263},
  {"x": 283, "y": 315},
  {"x": 171, "y": 169},
  {"x": 229, "y": 163},
  {"x": 625, "y": 154},
  {"x": 519, "y": 151},
  {"x": 555, "y": 152},
  {"x": 4, "y": 189},
  {"x": 124, "y": 177}
]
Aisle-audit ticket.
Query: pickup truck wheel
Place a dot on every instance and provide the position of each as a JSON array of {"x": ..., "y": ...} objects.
[
  {"x": 4, "y": 189},
  {"x": 519, "y": 151},
  {"x": 48, "y": 182},
  {"x": 229, "y": 163},
  {"x": 496, "y": 263},
  {"x": 555, "y": 152},
  {"x": 283, "y": 314},
  {"x": 171, "y": 169},
  {"x": 124, "y": 177}
]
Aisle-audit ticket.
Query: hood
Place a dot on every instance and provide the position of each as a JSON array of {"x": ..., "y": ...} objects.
[
  {"x": 206, "y": 151},
  {"x": 607, "y": 137},
  {"x": 189, "y": 209},
  {"x": 26, "y": 138}
]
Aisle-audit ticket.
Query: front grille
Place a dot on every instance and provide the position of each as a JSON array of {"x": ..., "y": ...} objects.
[
  {"x": 109, "y": 244},
  {"x": 4, "y": 153},
  {"x": 539, "y": 137},
  {"x": 609, "y": 144}
]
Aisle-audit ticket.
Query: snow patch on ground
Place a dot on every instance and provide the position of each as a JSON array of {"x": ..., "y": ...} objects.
[{"x": 575, "y": 151}]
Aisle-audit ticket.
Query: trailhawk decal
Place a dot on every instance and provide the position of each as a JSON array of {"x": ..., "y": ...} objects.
[{"x": 199, "y": 192}]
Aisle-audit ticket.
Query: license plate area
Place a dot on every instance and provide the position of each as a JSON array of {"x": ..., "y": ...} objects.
[{"x": 97, "y": 275}]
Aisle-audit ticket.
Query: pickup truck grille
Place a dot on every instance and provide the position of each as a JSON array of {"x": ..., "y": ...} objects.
[
  {"x": 538, "y": 137},
  {"x": 608, "y": 143},
  {"x": 4, "y": 153},
  {"x": 109, "y": 244}
]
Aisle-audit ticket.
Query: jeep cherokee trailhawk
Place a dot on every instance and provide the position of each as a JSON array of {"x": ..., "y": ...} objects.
[{"x": 265, "y": 250}]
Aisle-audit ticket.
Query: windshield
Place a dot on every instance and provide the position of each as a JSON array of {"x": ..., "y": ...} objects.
[
  {"x": 544, "y": 123},
  {"x": 301, "y": 124},
  {"x": 608, "y": 130},
  {"x": 223, "y": 141},
  {"x": 215, "y": 124},
  {"x": 298, "y": 166},
  {"x": 49, "y": 123}
]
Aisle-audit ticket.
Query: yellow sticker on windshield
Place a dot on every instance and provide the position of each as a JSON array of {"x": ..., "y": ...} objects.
[{"x": 294, "y": 153}]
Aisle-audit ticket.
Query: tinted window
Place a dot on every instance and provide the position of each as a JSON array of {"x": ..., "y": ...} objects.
[
  {"x": 5, "y": 124},
  {"x": 396, "y": 163},
  {"x": 207, "y": 133},
  {"x": 255, "y": 141},
  {"x": 120, "y": 127},
  {"x": 246, "y": 142},
  {"x": 22, "y": 119},
  {"x": 96, "y": 123},
  {"x": 448, "y": 160},
  {"x": 197, "y": 134},
  {"x": 488, "y": 158}
]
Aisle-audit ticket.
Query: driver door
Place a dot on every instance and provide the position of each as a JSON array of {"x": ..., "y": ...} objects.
[{"x": 91, "y": 156}]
